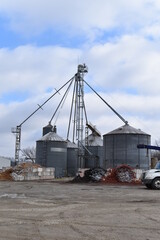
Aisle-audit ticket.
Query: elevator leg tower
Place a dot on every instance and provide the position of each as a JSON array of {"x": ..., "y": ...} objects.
[{"x": 82, "y": 69}]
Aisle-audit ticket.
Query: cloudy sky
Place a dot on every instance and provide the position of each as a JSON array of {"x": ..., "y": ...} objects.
[{"x": 41, "y": 44}]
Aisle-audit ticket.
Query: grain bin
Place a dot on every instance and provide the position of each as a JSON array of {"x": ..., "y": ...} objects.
[
  {"x": 94, "y": 155},
  {"x": 51, "y": 151},
  {"x": 72, "y": 159},
  {"x": 120, "y": 147}
]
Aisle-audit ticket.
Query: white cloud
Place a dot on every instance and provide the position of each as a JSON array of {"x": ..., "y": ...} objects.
[
  {"x": 152, "y": 31},
  {"x": 77, "y": 17},
  {"x": 131, "y": 62},
  {"x": 126, "y": 68},
  {"x": 35, "y": 69},
  {"x": 127, "y": 64}
]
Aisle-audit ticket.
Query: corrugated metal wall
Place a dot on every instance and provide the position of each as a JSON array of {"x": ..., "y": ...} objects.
[
  {"x": 122, "y": 149},
  {"x": 97, "y": 159},
  {"x": 72, "y": 161},
  {"x": 52, "y": 154}
]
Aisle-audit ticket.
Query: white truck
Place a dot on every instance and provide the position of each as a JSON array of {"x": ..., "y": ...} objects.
[{"x": 151, "y": 178}]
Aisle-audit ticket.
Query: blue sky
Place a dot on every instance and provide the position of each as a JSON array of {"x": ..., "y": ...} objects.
[
  {"x": 49, "y": 36},
  {"x": 11, "y": 39},
  {"x": 41, "y": 44}
]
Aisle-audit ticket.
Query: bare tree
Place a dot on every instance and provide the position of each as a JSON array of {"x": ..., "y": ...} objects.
[
  {"x": 29, "y": 153},
  {"x": 156, "y": 153}
]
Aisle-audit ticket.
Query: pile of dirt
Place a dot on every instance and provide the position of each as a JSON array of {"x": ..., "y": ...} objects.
[
  {"x": 110, "y": 176},
  {"x": 6, "y": 175}
]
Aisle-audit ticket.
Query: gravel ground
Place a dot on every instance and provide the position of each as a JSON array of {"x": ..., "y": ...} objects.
[{"x": 57, "y": 210}]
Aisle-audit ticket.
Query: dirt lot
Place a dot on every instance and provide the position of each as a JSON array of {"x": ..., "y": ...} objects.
[{"x": 51, "y": 210}]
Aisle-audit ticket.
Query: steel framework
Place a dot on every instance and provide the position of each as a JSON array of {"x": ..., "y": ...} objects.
[{"x": 77, "y": 114}]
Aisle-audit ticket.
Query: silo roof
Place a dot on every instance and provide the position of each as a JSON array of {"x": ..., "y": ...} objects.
[
  {"x": 127, "y": 129},
  {"x": 52, "y": 136},
  {"x": 71, "y": 144},
  {"x": 94, "y": 140}
]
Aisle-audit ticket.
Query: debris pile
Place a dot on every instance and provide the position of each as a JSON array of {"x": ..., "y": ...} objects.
[
  {"x": 91, "y": 175},
  {"x": 94, "y": 174},
  {"x": 27, "y": 171},
  {"x": 125, "y": 173},
  {"x": 110, "y": 176},
  {"x": 23, "y": 170},
  {"x": 120, "y": 174}
]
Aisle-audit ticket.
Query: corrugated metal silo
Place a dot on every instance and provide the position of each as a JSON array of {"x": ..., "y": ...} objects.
[
  {"x": 120, "y": 147},
  {"x": 72, "y": 159},
  {"x": 51, "y": 151},
  {"x": 95, "y": 147}
]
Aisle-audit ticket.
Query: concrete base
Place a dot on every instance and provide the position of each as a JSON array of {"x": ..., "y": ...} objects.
[{"x": 35, "y": 174}]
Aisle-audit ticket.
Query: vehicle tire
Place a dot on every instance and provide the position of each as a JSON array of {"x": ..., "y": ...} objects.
[
  {"x": 156, "y": 184},
  {"x": 149, "y": 186}
]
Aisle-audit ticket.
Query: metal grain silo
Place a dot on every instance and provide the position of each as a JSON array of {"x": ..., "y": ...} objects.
[
  {"x": 51, "y": 151},
  {"x": 72, "y": 159},
  {"x": 120, "y": 147},
  {"x": 94, "y": 155}
]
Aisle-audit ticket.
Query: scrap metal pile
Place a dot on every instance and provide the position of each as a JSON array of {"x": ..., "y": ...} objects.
[
  {"x": 94, "y": 174},
  {"x": 125, "y": 174},
  {"x": 120, "y": 174},
  {"x": 90, "y": 175}
]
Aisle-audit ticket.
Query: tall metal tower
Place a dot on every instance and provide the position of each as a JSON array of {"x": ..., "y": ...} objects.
[
  {"x": 77, "y": 109},
  {"x": 17, "y": 132},
  {"x": 82, "y": 69}
]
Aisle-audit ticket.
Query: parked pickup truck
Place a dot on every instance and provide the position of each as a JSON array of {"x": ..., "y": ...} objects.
[{"x": 151, "y": 178}]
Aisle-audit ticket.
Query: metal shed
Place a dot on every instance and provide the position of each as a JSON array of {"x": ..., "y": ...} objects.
[
  {"x": 120, "y": 147},
  {"x": 4, "y": 162}
]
